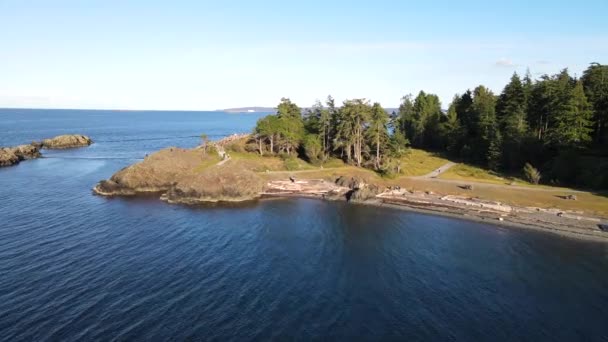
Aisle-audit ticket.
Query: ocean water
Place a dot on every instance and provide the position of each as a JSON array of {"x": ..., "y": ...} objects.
[{"x": 78, "y": 267}]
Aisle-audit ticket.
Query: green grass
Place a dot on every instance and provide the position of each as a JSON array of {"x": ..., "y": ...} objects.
[
  {"x": 419, "y": 163},
  {"x": 469, "y": 172},
  {"x": 473, "y": 173},
  {"x": 334, "y": 163},
  {"x": 208, "y": 161}
]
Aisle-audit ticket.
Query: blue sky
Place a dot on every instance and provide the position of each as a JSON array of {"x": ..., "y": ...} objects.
[{"x": 198, "y": 55}]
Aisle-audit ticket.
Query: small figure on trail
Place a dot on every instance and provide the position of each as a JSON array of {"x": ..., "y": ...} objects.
[{"x": 292, "y": 179}]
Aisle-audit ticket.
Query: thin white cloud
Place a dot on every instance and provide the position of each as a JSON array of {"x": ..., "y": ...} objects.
[
  {"x": 543, "y": 62},
  {"x": 505, "y": 63},
  {"x": 381, "y": 46}
]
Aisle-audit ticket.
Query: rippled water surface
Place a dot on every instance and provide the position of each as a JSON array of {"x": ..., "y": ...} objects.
[{"x": 77, "y": 267}]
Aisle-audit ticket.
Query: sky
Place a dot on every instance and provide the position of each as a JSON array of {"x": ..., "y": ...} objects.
[{"x": 206, "y": 55}]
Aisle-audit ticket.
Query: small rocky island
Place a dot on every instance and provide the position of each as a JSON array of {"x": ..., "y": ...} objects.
[
  {"x": 65, "y": 141},
  {"x": 13, "y": 155}
]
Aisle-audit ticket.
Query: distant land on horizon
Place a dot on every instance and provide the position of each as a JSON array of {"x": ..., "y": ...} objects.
[
  {"x": 273, "y": 110},
  {"x": 249, "y": 109},
  {"x": 269, "y": 110}
]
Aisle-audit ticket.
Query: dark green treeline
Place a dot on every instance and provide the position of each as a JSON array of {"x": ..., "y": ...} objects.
[{"x": 558, "y": 123}]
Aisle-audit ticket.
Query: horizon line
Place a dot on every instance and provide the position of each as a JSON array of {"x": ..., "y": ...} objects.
[{"x": 133, "y": 110}]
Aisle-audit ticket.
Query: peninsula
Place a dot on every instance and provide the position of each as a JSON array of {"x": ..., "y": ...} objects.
[
  {"x": 513, "y": 157},
  {"x": 230, "y": 170}
]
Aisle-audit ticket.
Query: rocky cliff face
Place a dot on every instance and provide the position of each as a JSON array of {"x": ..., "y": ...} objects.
[
  {"x": 66, "y": 141},
  {"x": 360, "y": 190}
]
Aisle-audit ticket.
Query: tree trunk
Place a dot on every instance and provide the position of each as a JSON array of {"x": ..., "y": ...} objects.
[
  {"x": 348, "y": 153},
  {"x": 358, "y": 152},
  {"x": 378, "y": 149},
  {"x": 324, "y": 145},
  {"x": 260, "y": 146},
  {"x": 358, "y": 143},
  {"x": 272, "y": 144}
]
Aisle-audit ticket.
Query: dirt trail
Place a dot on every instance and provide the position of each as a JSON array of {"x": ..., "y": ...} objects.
[
  {"x": 437, "y": 172},
  {"x": 222, "y": 154}
]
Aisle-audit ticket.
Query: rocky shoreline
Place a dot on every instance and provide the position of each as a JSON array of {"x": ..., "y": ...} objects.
[
  {"x": 565, "y": 223},
  {"x": 10, "y": 156},
  {"x": 175, "y": 174}
]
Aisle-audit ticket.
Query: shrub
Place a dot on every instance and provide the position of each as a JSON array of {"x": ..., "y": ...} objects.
[
  {"x": 211, "y": 150},
  {"x": 531, "y": 174},
  {"x": 313, "y": 148},
  {"x": 291, "y": 163},
  {"x": 252, "y": 147},
  {"x": 235, "y": 147}
]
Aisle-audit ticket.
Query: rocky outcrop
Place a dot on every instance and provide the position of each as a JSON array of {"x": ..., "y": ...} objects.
[
  {"x": 364, "y": 193},
  {"x": 350, "y": 182},
  {"x": 179, "y": 176},
  {"x": 27, "y": 152},
  {"x": 66, "y": 141},
  {"x": 13, "y": 155},
  {"x": 8, "y": 157},
  {"x": 360, "y": 190}
]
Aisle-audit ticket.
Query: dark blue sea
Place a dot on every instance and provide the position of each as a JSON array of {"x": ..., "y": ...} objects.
[{"x": 78, "y": 267}]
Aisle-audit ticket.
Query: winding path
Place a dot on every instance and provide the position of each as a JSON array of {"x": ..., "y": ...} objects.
[
  {"x": 223, "y": 155},
  {"x": 437, "y": 172}
]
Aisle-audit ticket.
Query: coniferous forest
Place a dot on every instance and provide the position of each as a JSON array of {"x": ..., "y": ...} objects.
[{"x": 555, "y": 125}]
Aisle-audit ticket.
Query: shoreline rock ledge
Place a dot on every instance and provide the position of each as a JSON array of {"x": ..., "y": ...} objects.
[{"x": 10, "y": 156}]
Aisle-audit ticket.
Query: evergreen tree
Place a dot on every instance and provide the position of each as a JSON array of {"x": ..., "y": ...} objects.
[
  {"x": 484, "y": 118},
  {"x": 420, "y": 120},
  {"x": 377, "y": 131},
  {"x": 288, "y": 109},
  {"x": 595, "y": 81},
  {"x": 452, "y": 130},
  {"x": 573, "y": 120},
  {"x": 266, "y": 129},
  {"x": 405, "y": 116},
  {"x": 511, "y": 114},
  {"x": 550, "y": 122},
  {"x": 355, "y": 114},
  {"x": 494, "y": 153}
]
